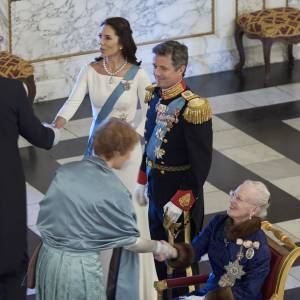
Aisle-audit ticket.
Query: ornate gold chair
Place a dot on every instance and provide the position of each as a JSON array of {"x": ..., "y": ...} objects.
[
  {"x": 268, "y": 25},
  {"x": 284, "y": 252}
]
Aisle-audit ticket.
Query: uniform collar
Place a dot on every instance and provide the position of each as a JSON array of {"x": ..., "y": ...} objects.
[{"x": 174, "y": 90}]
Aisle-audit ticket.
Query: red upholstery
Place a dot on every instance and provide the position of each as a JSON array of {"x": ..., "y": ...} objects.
[
  {"x": 269, "y": 285},
  {"x": 185, "y": 281}
]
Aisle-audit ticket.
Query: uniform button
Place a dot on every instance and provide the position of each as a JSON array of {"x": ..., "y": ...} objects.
[
  {"x": 162, "y": 162},
  {"x": 146, "y": 142},
  {"x": 162, "y": 172},
  {"x": 165, "y": 141},
  {"x": 145, "y": 130}
]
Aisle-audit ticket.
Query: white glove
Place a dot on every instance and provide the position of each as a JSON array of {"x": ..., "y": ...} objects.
[
  {"x": 164, "y": 251},
  {"x": 56, "y": 133},
  {"x": 140, "y": 194},
  {"x": 172, "y": 211}
]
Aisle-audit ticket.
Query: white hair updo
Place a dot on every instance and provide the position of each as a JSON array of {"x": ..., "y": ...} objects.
[{"x": 263, "y": 197}]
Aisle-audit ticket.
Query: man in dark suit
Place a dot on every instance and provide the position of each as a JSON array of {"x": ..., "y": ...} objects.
[{"x": 16, "y": 117}]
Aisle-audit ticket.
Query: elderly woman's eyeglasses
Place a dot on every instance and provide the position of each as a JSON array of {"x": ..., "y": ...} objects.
[{"x": 235, "y": 195}]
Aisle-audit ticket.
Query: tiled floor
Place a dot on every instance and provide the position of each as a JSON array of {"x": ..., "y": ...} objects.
[{"x": 256, "y": 136}]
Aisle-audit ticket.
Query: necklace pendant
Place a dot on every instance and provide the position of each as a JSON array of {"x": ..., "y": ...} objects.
[{"x": 111, "y": 80}]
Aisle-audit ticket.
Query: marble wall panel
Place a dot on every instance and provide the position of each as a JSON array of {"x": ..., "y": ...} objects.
[
  {"x": 247, "y": 6},
  {"x": 275, "y": 3},
  {"x": 55, "y": 78},
  {"x": 207, "y": 54},
  {"x": 294, "y": 3},
  {"x": 4, "y": 24},
  {"x": 59, "y": 27}
]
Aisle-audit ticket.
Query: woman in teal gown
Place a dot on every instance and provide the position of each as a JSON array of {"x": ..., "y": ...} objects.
[{"x": 86, "y": 210}]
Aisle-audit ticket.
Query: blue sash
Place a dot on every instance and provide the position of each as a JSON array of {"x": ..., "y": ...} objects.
[
  {"x": 108, "y": 106},
  {"x": 161, "y": 129}
]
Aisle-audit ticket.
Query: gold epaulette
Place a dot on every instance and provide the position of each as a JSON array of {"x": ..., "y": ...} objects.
[
  {"x": 197, "y": 110},
  {"x": 149, "y": 94}
]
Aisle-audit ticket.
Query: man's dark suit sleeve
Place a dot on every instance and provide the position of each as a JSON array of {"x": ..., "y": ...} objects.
[{"x": 29, "y": 125}]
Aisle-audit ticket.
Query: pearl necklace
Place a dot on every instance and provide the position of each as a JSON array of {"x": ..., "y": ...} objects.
[{"x": 109, "y": 72}]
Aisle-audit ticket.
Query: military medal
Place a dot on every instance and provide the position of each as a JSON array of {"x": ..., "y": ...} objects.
[
  {"x": 249, "y": 253},
  {"x": 160, "y": 134},
  {"x": 169, "y": 124},
  {"x": 234, "y": 271},
  {"x": 161, "y": 108},
  {"x": 126, "y": 84},
  {"x": 123, "y": 116},
  {"x": 247, "y": 244},
  {"x": 159, "y": 152}
]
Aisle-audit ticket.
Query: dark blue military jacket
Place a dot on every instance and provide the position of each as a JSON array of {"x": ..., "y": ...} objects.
[
  {"x": 212, "y": 240},
  {"x": 185, "y": 143}
]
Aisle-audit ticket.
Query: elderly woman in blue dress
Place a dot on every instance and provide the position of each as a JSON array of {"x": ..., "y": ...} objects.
[
  {"x": 236, "y": 246},
  {"x": 87, "y": 209}
]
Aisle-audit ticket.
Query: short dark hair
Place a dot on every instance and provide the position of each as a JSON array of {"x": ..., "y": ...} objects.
[
  {"x": 123, "y": 30},
  {"x": 179, "y": 52},
  {"x": 114, "y": 135}
]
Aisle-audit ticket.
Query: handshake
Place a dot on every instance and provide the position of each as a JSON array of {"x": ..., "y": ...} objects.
[
  {"x": 164, "y": 251},
  {"x": 56, "y": 131},
  {"x": 180, "y": 255}
]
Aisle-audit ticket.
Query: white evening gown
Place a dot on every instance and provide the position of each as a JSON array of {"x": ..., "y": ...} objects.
[{"x": 98, "y": 87}]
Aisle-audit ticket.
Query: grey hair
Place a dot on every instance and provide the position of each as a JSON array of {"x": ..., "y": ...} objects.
[
  {"x": 263, "y": 197},
  {"x": 178, "y": 51}
]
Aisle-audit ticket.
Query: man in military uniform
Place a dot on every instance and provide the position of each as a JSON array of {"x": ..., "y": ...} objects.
[{"x": 178, "y": 152}]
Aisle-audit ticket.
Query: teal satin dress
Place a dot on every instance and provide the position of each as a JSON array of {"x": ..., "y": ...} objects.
[{"x": 86, "y": 209}]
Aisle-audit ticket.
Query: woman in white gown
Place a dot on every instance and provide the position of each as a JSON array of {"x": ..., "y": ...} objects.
[{"x": 99, "y": 79}]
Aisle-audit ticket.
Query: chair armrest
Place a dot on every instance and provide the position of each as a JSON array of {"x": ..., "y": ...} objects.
[
  {"x": 180, "y": 281},
  {"x": 186, "y": 281}
]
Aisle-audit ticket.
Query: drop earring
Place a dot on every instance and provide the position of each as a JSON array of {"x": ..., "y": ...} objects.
[{"x": 251, "y": 215}]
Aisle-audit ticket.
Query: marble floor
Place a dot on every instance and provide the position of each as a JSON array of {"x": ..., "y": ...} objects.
[{"x": 256, "y": 136}]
